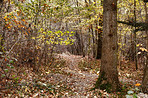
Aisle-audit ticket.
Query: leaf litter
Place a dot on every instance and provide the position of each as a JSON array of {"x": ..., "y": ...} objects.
[{"x": 73, "y": 80}]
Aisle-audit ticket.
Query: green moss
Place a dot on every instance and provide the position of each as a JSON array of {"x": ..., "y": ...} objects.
[
  {"x": 106, "y": 86},
  {"x": 102, "y": 83}
]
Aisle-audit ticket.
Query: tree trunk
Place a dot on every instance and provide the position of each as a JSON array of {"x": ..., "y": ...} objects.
[
  {"x": 79, "y": 45},
  {"x": 135, "y": 36},
  {"x": 99, "y": 43},
  {"x": 145, "y": 76},
  {"x": 108, "y": 78},
  {"x": 145, "y": 80}
]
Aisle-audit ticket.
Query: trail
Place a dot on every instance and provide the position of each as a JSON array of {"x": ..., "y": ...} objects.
[
  {"x": 80, "y": 82},
  {"x": 71, "y": 60}
]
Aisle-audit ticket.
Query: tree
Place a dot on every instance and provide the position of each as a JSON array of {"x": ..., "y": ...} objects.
[
  {"x": 145, "y": 76},
  {"x": 108, "y": 78},
  {"x": 100, "y": 30}
]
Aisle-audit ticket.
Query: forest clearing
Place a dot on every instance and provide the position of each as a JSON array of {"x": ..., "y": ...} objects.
[{"x": 73, "y": 49}]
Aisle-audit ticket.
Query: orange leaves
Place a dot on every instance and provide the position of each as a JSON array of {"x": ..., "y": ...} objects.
[
  {"x": 8, "y": 25},
  {"x": 5, "y": 59},
  {"x": 15, "y": 21},
  {"x": 23, "y": 20},
  {"x": 14, "y": 17},
  {"x": 29, "y": 30},
  {"x": 8, "y": 22},
  {"x": 6, "y": 18},
  {"x": 138, "y": 84},
  {"x": 18, "y": 13},
  {"x": 26, "y": 33}
]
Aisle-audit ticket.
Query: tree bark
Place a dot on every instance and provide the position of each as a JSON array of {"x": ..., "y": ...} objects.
[
  {"x": 99, "y": 43},
  {"x": 108, "y": 78},
  {"x": 135, "y": 36},
  {"x": 145, "y": 76}
]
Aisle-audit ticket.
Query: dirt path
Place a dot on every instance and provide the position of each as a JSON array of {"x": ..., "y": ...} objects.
[
  {"x": 78, "y": 81},
  {"x": 71, "y": 60}
]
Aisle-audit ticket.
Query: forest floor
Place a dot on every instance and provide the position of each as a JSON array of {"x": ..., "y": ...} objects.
[{"x": 72, "y": 76}]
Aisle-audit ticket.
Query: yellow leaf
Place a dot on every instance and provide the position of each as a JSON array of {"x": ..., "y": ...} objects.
[
  {"x": 138, "y": 45},
  {"x": 5, "y": 17},
  {"x": 98, "y": 72},
  {"x": 9, "y": 27},
  {"x": 41, "y": 30},
  {"x": 12, "y": 2},
  {"x": 94, "y": 2},
  {"x": 33, "y": 37},
  {"x": 99, "y": 27},
  {"x": 26, "y": 89},
  {"x": 47, "y": 72}
]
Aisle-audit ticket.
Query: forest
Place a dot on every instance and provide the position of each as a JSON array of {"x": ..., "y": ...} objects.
[{"x": 73, "y": 48}]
